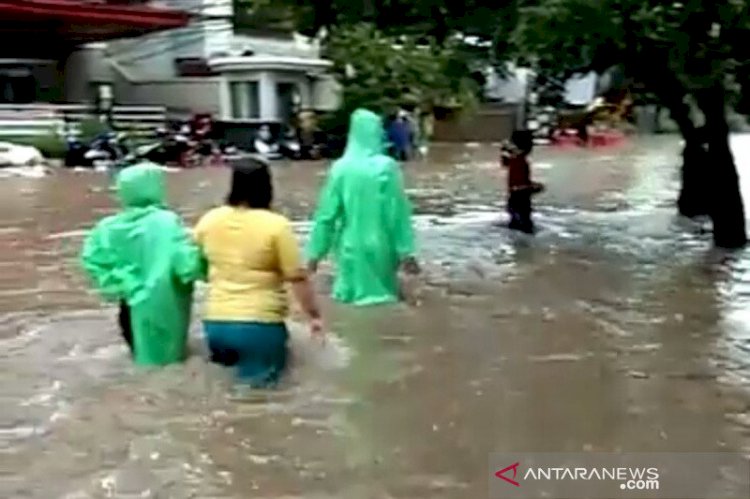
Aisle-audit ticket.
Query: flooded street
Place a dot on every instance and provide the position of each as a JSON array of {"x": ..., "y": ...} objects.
[{"x": 616, "y": 328}]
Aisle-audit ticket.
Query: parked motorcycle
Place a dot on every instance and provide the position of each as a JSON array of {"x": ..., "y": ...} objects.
[
  {"x": 75, "y": 151},
  {"x": 104, "y": 150}
]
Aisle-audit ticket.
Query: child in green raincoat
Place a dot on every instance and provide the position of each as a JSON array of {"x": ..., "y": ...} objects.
[
  {"x": 143, "y": 258},
  {"x": 364, "y": 217}
]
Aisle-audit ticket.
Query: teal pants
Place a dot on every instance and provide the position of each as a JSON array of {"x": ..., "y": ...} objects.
[{"x": 258, "y": 351}]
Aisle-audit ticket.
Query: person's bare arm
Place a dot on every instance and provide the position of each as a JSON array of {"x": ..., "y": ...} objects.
[
  {"x": 298, "y": 278},
  {"x": 305, "y": 294}
]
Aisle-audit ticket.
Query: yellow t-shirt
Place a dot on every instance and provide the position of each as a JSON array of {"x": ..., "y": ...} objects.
[{"x": 250, "y": 253}]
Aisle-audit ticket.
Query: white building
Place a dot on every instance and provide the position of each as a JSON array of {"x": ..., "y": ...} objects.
[
  {"x": 207, "y": 68},
  {"x": 513, "y": 88}
]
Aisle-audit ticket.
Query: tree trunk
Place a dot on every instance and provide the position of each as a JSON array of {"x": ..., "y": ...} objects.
[
  {"x": 726, "y": 208},
  {"x": 692, "y": 201}
]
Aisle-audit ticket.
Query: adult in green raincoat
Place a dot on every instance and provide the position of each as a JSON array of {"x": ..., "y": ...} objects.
[
  {"x": 143, "y": 258},
  {"x": 364, "y": 217}
]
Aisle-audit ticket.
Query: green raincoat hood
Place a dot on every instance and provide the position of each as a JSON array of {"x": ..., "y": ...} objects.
[
  {"x": 141, "y": 185},
  {"x": 366, "y": 134}
]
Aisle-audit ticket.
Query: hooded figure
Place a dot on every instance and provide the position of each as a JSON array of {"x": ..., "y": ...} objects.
[
  {"x": 143, "y": 258},
  {"x": 364, "y": 216}
]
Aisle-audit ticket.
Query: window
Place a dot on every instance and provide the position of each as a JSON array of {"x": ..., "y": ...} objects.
[
  {"x": 17, "y": 85},
  {"x": 235, "y": 91},
  {"x": 245, "y": 100}
]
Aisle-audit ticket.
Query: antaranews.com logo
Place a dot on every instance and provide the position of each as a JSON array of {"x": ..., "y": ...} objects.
[
  {"x": 628, "y": 478},
  {"x": 619, "y": 476}
]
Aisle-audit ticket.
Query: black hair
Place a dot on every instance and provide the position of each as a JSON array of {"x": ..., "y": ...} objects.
[
  {"x": 252, "y": 186},
  {"x": 523, "y": 140}
]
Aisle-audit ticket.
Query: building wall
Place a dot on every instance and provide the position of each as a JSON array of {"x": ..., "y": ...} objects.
[
  {"x": 144, "y": 68},
  {"x": 326, "y": 94},
  {"x": 489, "y": 124},
  {"x": 84, "y": 67},
  {"x": 219, "y": 30},
  {"x": 513, "y": 87},
  {"x": 182, "y": 97},
  {"x": 152, "y": 56},
  {"x": 267, "y": 96}
]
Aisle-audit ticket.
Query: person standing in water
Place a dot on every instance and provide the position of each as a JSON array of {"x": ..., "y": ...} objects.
[
  {"x": 364, "y": 216},
  {"x": 251, "y": 255},
  {"x": 514, "y": 158},
  {"x": 401, "y": 136},
  {"x": 142, "y": 257}
]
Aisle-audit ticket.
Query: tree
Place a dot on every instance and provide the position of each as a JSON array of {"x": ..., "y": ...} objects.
[
  {"x": 687, "y": 54},
  {"x": 478, "y": 28},
  {"x": 387, "y": 53},
  {"x": 383, "y": 72}
]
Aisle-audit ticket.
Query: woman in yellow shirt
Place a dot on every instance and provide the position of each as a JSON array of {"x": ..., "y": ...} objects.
[{"x": 252, "y": 253}]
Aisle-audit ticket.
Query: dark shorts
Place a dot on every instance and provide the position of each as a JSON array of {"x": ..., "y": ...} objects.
[
  {"x": 519, "y": 209},
  {"x": 126, "y": 325},
  {"x": 258, "y": 351}
]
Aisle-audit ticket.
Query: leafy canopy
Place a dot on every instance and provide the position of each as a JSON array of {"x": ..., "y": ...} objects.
[
  {"x": 661, "y": 45},
  {"x": 383, "y": 72}
]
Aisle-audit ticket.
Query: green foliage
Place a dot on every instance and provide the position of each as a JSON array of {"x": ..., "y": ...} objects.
[
  {"x": 691, "y": 45},
  {"x": 437, "y": 19},
  {"x": 424, "y": 54},
  {"x": 478, "y": 29},
  {"x": 382, "y": 73},
  {"x": 264, "y": 16}
]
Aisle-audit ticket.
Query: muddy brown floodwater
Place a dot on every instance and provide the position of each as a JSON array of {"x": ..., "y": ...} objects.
[{"x": 616, "y": 328}]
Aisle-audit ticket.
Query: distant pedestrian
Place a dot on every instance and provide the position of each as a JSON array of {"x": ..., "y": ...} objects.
[
  {"x": 401, "y": 136},
  {"x": 520, "y": 186}
]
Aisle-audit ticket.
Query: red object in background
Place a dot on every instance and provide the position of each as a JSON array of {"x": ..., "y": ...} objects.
[
  {"x": 201, "y": 126},
  {"x": 608, "y": 138},
  {"x": 86, "y": 21},
  {"x": 596, "y": 139}
]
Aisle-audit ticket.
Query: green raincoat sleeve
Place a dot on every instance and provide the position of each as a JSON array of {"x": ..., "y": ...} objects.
[
  {"x": 189, "y": 264},
  {"x": 327, "y": 219},
  {"x": 114, "y": 280},
  {"x": 144, "y": 257}
]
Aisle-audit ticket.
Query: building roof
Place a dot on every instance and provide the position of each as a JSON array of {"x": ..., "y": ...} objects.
[{"x": 82, "y": 21}]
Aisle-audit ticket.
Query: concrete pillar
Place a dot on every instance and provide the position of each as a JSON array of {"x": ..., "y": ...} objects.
[
  {"x": 268, "y": 97},
  {"x": 225, "y": 100},
  {"x": 84, "y": 66},
  {"x": 306, "y": 92}
]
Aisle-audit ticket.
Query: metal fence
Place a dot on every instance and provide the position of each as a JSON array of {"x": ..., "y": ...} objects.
[{"x": 38, "y": 120}]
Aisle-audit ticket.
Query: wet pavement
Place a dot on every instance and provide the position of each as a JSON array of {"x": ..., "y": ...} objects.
[{"x": 616, "y": 328}]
